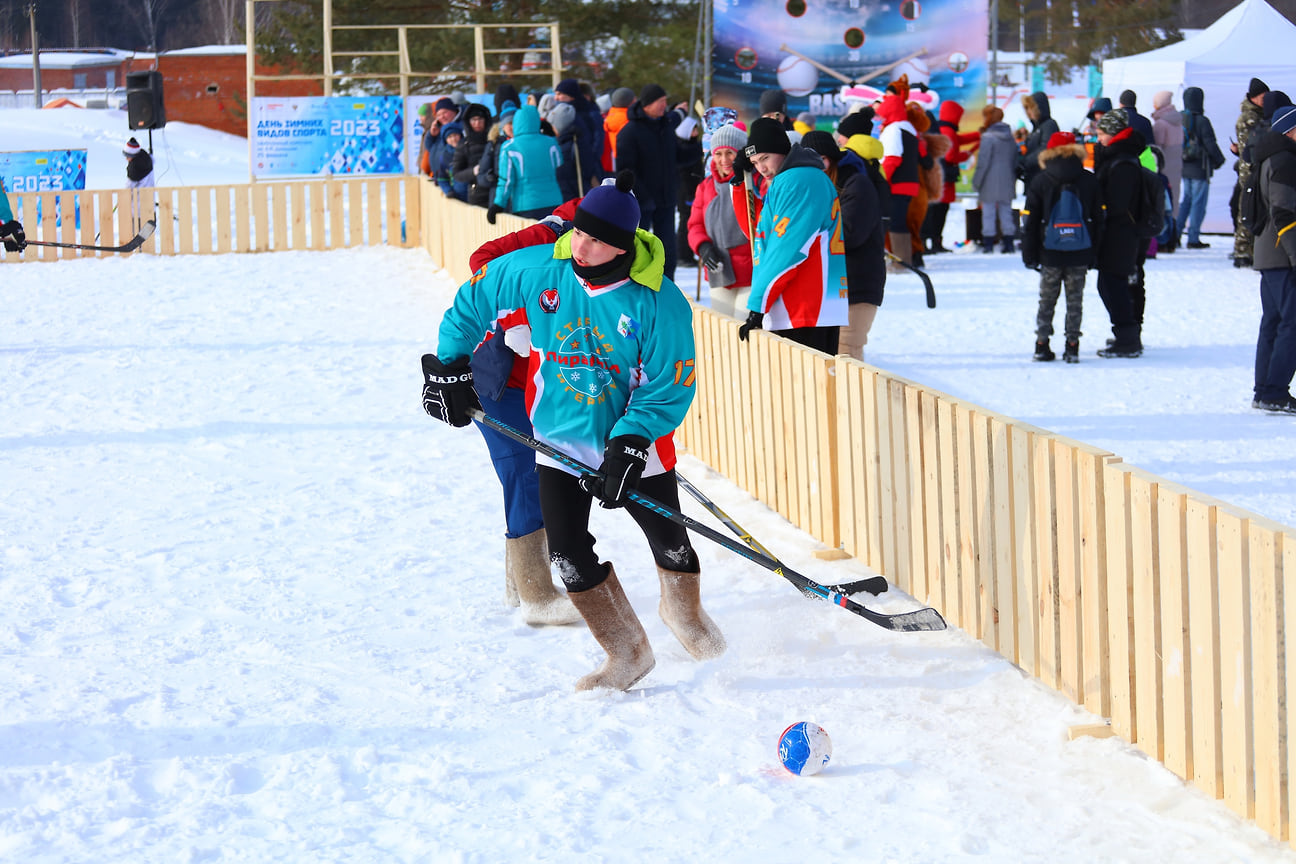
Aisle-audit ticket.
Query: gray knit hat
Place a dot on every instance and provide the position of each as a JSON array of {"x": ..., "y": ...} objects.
[
  {"x": 623, "y": 97},
  {"x": 728, "y": 135}
]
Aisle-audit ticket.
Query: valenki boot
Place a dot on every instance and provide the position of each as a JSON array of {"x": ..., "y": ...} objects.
[
  {"x": 616, "y": 627},
  {"x": 681, "y": 609},
  {"x": 526, "y": 565}
]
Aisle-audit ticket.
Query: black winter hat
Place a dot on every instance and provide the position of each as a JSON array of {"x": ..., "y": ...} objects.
[
  {"x": 822, "y": 143},
  {"x": 650, "y": 94},
  {"x": 856, "y": 123},
  {"x": 569, "y": 87},
  {"x": 767, "y": 135},
  {"x": 610, "y": 212},
  {"x": 773, "y": 100},
  {"x": 1257, "y": 87},
  {"x": 1128, "y": 99}
]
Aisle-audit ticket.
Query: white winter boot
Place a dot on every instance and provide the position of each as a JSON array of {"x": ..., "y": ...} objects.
[{"x": 526, "y": 567}]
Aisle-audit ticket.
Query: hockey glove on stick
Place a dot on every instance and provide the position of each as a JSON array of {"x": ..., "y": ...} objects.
[
  {"x": 14, "y": 238},
  {"x": 492, "y": 211},
  {"x": 624, "y": 460},
  {"x": 448, "y": 393},
  {"x": 753, "y": 322}
]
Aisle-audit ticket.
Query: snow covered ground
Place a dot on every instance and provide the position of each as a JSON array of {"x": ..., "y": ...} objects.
[{"x": 251, "y": 597}]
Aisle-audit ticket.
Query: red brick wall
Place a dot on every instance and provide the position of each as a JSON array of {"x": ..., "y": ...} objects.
[
  {"x": 51, "y": 79},
  {"x": 210, "y": 89}
]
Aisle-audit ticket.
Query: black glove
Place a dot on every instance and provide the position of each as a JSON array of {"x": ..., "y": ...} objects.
[
  {"x": 741, "y": 166},
  {"x": 753, "y": 322},
  {"x": 624, "y": 460},
  {"x": 491, "y": 212},
  {"x": 710, "y": 256},
  {"x": 14, "y": 238},
  {"x": 448, "y": 393}
]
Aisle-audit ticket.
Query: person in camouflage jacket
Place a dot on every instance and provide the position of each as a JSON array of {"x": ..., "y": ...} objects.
[{"x": 1249, "y": 120}]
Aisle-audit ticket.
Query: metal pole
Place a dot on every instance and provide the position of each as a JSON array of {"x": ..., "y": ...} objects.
[
  {"x": 249, "y": 30},
  {"x": 697, "y": 49},
  {"x": 994, "y": 51},
  {"x": 706, "y": 55},
  {"x": 35, "y": 40}
]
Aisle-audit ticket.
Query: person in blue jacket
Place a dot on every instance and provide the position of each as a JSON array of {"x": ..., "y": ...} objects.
[
  {"x": 528, "y": 165},
  {"x": 610, "y": 377}
]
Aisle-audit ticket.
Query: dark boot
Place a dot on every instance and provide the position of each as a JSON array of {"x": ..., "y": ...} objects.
[
  {"x": 1043, "y": 352},
  {"x": 614, "y": 624},
  {"x": 988, "y": 244},
  {"x": 681, "y": 609},
  {"x": 526, "y": 561},
  {"x": 1071, "y": 353},
  {"x": 1007, "y": 245}
]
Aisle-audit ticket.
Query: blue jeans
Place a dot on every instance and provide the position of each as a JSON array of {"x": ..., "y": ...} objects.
[
  {"x": 1192, "y": 208},
  {"x": 514, "y": 463},
  {"x": 1275, "y": 360}
]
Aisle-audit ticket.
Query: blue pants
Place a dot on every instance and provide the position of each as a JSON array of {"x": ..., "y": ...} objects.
[
  {"x": 1275, "y": 360},
  {"x": 1192, "y": 208},
  {"x": 514, "y": 463}
]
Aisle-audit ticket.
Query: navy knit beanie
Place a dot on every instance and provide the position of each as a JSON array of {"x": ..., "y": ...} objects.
[
  {"x": 569, "y": 87},
  {"x": 1284, "y": 120},
  {"x": 610, "y": 212},
  {"x": 445, "y": 103}
]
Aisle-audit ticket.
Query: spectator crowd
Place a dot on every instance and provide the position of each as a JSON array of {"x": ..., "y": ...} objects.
[{"x": 795, "y": 223}]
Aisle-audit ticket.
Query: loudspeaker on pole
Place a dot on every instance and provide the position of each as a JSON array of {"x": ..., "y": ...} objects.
[{"x": 144, "y": 106}]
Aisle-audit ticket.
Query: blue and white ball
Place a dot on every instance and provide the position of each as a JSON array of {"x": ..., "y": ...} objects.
[{"x": 804, "y": 748}]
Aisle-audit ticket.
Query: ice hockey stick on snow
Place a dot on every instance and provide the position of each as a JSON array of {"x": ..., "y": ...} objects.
[
  {"x": 919, "y": 619},
  {"x": 874, "y": 584},
  {"x": 129, "y": 246}
]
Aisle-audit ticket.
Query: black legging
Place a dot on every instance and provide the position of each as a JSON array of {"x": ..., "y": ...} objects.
[{"x": 566, "y": 509}]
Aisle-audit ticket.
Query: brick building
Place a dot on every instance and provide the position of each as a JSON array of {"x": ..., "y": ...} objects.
[{"x": 206, "y": 85}]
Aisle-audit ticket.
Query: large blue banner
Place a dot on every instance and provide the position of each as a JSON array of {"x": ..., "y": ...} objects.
[
  {"x": 43, "y": 170},
  {"x": 830, "y": 54},
  {"x": 312, "y": 135}
]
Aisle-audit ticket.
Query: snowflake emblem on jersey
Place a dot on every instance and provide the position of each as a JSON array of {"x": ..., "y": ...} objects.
[{"x": 581, "y": 365}]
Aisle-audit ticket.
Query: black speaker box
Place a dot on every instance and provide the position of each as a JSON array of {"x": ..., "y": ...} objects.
[{"x": 144, "y": 107}]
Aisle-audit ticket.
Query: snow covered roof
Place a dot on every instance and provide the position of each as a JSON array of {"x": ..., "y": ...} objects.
[{"x": 67, "y": 59}]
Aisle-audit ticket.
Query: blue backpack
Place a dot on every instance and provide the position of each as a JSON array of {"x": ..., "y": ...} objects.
[{"x": 1065, "y": 230}]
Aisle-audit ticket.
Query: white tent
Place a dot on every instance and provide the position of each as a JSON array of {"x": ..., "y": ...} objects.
[{"x": 1251, "y": 40}]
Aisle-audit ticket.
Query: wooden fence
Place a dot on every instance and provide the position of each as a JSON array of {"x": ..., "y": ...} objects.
[
  {"x": 250, "y": 217},
  {"x": 1148, "y": 603}
]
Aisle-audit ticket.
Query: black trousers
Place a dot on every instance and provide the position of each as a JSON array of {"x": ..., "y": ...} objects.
[
  {"x": 566, "y": 509},
  {"x": 823, "y": 339}
]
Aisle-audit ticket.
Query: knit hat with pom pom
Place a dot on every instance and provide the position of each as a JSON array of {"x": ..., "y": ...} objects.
[{"x": 610, "y": 212}]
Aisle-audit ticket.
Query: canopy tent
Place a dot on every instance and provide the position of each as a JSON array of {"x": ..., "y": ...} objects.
[{"x": 1251, "y": 40}]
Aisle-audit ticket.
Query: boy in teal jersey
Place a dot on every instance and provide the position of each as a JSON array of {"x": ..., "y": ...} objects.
[{"x": 610, "y": 376}]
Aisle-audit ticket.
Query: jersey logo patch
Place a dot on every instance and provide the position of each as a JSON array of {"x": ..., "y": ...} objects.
[
  {"x": 628, "y": 327},
  {"x": 549, "y": 300}
]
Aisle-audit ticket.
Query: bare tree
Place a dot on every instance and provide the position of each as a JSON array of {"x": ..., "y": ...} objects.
[
  {"x": 75, "y": 10},
  {"x": 224, "y": 22},
  {"x": 148, "y": 17}
]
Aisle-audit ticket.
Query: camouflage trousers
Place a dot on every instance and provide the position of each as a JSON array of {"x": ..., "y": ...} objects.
[
  {"x": 1243, "y": 241},
  {"x": 1051, "y": 282}
]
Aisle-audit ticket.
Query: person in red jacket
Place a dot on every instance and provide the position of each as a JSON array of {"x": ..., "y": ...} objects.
[
  {"x": 951, "y": 113},
  {"x": 714, "y": 234}
]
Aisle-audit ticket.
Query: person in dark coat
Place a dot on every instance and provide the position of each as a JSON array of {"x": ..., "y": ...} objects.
[
  {"x": 862, "y": 232},
  {"x": 1202, "y": 157},
  {"x": 648, "y": 146},
  {"x": 1274, "y": 164},
  {"x": 1118, "y": 170},
  {"x": 1136, "y": 121},
  {"x": 1062, "y": 166},
  {"x": 1043, "y": 126},
  {"x": 476, "y": 120},
  {"x": 582, "y": 141}
]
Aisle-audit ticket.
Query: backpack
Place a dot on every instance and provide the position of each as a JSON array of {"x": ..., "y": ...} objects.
[
  {"x": 1192, "y": 148},
  {"x": 1065, "y": 230},
  {"x": 1253, "y": 212},
  {"x": 1149, "y": 205}
]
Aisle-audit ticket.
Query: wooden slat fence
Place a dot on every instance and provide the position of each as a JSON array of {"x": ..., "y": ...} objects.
[
  {"x": 1150, "y": 604},
  {"x": 253, "y": 217}
]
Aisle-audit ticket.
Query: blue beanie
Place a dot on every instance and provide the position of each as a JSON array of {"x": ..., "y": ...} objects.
[
  {"x": 569, "y": 87},
  {"x": 445, "y": 103},
  {"x": 1284, "y": 120},
  {"x": 610, "y": 212}
]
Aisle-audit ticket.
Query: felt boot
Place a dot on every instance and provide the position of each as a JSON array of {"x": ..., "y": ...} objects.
[
  {"x": 616, "y": 627},
  {"x": 681, "y": 609},
  {"x": 526, "y": 561},
  {"x": 902, "y": 248}
]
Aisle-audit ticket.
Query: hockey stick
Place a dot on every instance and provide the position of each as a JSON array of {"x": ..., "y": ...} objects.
[
  {"x": 874, "y": 584},
  {"x": 922, "y": 274},
  {"x": 130, "y": 246},
  {"x": 919, "y": 619}
]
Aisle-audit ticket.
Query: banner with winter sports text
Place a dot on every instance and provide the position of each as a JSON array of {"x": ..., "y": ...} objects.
[
  {"x": 43, "y": 170},
  {"x": 827, "y": 54},
  {"x": 312, "y": 135}
]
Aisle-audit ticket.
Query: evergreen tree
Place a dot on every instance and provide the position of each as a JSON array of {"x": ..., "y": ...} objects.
[{"x": 1065, "y": 34}]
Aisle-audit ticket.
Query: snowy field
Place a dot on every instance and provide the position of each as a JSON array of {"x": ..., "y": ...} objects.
[
  {"x": 251, "y": 597},
  {"x": 251, "y": 602}
]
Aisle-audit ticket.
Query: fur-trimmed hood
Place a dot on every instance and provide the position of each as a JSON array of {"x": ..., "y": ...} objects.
[{"x": 1051, "y": 153}]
